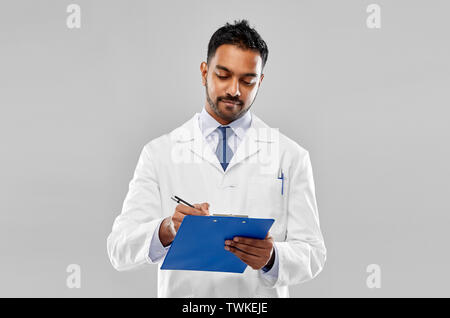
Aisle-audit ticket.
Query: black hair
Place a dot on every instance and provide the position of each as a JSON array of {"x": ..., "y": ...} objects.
[{"x": 241, "y": 35}]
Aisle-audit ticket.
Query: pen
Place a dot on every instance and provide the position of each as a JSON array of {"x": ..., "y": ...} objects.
[
  {"x": 281, "y": 177},
  {"x": 178, "y": 200}
]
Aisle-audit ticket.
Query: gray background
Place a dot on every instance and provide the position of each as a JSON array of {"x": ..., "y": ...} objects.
[{"x": 371, "y": 106}]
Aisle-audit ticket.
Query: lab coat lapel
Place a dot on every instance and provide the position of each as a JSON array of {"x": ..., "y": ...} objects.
[
  {"x": 258, "y": 136},
  {"x": 190, "y": 134}
]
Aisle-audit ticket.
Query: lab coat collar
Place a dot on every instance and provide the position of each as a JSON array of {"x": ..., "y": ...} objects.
[
  {"x": 257, "y": 136},
  {"x": 188, "y": 131},
  {"x": 208, "y": 124}
]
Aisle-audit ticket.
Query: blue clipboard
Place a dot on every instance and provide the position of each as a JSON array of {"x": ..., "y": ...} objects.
[{"x": 200, "y": 242}]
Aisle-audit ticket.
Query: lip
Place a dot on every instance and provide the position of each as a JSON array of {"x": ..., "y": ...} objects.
[{"x": 230, "y": 103}]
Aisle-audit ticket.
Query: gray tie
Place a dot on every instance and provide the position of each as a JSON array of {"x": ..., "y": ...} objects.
[{"x": 223, "y": 151}]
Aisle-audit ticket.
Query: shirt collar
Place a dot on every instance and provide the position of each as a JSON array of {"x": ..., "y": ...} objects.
[{"x": 239, "y": 126}]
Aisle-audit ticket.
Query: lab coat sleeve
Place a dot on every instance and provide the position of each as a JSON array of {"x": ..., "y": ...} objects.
[
  {"x": 302, "y": 255},
  {"x": 133, "y": 230},
  {"x": 272, "y": 274}
]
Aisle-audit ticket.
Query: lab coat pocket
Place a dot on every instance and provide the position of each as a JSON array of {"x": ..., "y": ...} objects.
[{"x": 265, "y": 198}]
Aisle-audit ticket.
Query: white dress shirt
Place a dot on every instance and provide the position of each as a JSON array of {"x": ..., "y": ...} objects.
[{"x": 208, "y": 126}]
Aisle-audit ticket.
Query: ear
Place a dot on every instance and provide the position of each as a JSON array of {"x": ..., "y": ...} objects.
[
  {"x": 261, "y": 79},
  {"x": 204, "y": 72}
]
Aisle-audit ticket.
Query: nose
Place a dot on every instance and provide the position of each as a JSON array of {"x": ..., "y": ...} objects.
[{"x": 233, "y": 88}]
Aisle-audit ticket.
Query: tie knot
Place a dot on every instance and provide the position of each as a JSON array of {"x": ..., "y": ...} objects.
[{"x": 223, "y": 130}]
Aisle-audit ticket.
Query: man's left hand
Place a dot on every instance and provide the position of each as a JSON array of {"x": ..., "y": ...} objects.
[{"x": 253, "y": 252}]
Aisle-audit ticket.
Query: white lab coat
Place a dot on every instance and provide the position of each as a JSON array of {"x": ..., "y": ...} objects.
[{"x": 181, "y": 163}]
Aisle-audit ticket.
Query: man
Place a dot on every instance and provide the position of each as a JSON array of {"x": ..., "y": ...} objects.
[{"x": 231, "y": 161}]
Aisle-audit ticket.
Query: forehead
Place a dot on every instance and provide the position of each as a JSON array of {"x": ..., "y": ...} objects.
[{"x": 237, "y": 60}]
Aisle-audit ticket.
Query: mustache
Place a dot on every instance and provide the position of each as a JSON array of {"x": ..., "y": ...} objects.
[{"x": 232, "y": 100}]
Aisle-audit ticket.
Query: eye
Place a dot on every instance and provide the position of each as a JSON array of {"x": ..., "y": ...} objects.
[
  {"x": 248, "y": 83},
  {"x": 226, "y": 76}
]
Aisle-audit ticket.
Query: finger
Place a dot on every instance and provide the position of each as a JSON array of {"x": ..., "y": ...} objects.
[
  {"x": 257, "y": 251},
  {"x": 246, "y": 258},
  {"x": 187, "y": 210},
  {"x": 178, "y": 217},
  {"x": 205, "y": 207},
  {"x": 253, "y": 242}
]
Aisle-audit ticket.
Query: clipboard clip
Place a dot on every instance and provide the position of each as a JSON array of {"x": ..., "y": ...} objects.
[{"x": 231, "y": 215}]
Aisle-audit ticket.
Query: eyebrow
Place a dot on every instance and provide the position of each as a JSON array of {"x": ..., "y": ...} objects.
[{"x": 227, "y": 70}]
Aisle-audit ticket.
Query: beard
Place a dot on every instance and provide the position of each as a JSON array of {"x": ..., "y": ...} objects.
[{"x": 226, "y": 113}]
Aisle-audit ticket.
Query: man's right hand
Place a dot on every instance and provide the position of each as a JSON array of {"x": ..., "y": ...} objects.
[{"x": 170, "y": 225}]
